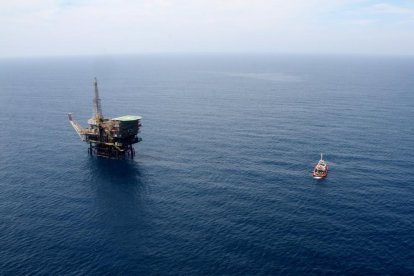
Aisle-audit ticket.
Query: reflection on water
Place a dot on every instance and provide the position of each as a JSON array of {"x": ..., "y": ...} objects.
[
  {"x": 120, "y": 188},
  {"x": 119, "y": 217},
  {"x": 120, "y": 172}
]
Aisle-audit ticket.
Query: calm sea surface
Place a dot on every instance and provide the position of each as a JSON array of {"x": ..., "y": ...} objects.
[{"x": 221, "y": 183}]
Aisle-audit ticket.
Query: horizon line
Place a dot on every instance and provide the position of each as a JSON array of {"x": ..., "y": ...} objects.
[{"x": 236, "y": 53}]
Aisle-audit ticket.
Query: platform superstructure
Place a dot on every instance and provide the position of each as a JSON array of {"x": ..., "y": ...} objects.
[{"x": 111, "y": 138}]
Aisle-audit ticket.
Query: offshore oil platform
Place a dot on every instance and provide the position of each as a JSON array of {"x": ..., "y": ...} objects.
[{"x": 112, "y": 138}]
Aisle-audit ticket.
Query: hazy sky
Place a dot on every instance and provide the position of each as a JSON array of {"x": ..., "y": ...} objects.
[{"x": 64, "y": 27}]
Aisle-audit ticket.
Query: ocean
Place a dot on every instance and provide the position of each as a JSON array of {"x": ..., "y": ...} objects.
[{"x": 222, "y": 182}]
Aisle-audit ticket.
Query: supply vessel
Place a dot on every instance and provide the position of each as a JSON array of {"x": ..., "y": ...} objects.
[
  {"x": 112, "y": 138},
  {"x": 321, "y": 169}
]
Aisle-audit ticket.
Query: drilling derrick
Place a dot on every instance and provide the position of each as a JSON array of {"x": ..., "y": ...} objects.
[
  {"x": 97, "y": 102},
  {"x": 111, "y": 138}
]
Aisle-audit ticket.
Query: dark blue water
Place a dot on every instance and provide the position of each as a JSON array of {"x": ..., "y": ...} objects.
[{"x": 221, "y": 183}]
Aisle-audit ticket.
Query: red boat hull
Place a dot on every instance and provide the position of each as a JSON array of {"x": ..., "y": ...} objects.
[{"x": 320, "y": 175}]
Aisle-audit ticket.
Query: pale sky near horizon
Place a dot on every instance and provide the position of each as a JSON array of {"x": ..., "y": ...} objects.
[{"x": 64, "y": 27}]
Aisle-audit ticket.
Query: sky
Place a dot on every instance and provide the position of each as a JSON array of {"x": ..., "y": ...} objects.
[{"x": 99, "y": 27}]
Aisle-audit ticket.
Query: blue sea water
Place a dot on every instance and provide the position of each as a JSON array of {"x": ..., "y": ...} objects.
[{"x": 221, "y": 183}]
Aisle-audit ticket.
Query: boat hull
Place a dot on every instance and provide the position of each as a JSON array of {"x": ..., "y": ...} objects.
[{"x": 320, "y": 175}]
